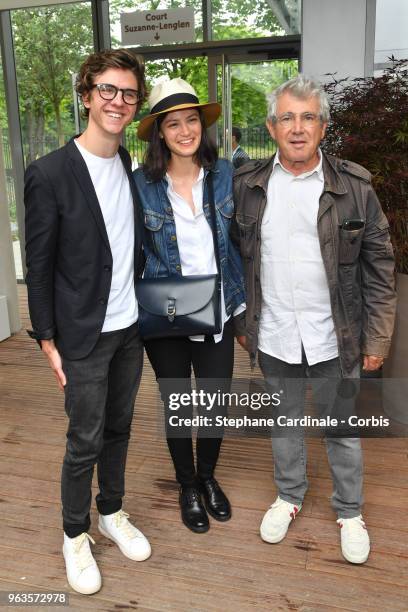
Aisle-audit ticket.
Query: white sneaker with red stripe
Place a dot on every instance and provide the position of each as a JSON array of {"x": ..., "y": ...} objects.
[
  {"x": 277, "y": 519},
  {"x": 355, "y": 543}
]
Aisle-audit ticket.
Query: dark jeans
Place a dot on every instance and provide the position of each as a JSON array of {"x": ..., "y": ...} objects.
[
  {"x": 332, "y": 399},
  {"x": 172, "y": 358},
  {"x": 99, "y": 399}
]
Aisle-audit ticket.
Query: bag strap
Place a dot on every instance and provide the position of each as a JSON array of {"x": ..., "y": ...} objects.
[{"x": 211, "y": 201}]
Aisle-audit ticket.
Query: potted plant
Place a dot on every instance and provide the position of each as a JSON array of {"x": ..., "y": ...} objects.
[{"x": 370, "y": 126}]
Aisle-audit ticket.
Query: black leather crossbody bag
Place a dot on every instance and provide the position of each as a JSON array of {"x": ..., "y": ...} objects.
[{"x": 182, "y": 305}]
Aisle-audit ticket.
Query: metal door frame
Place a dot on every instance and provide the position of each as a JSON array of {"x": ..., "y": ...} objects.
[{"x": 225, "y": 53}]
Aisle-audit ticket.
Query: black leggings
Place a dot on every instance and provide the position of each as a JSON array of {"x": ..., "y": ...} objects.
[{"x": 172, "y": 358}]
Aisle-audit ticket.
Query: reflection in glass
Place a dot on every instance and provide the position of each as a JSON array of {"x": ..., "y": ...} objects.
[
  {"x": 235, "y": 19},
  {"x": 50, "y": 43},
  {"x": 250, "y": 82},
  {"x": 7, "y": 160}
]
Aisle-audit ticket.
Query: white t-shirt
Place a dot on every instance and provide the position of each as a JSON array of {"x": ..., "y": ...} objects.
[{"x": 112, "y": 188}]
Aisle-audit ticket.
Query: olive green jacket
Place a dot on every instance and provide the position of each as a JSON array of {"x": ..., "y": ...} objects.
[{"x": 359, "y": 263}]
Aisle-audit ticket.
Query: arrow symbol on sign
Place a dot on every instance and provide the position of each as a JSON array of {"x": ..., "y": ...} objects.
[{"x": 157, "y": 36}]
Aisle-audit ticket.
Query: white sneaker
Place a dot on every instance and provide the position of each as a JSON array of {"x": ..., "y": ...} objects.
[
  {"x": 82, "y": 572},
  {"x": 277, "y": 519},
  {"x": 355, "y": 543},
  {"x": 130, "y": 540}
]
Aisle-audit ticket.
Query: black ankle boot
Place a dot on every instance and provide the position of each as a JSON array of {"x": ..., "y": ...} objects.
[
  {"x": 216, "y": 501},
  {"x": 193, "y": 513}
]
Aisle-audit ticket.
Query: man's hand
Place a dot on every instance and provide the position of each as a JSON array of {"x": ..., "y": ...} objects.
[
  {"x": 242, "y": 341},
  {"x": 372, "y": 363},
  {"x": 54, "y": 359}
]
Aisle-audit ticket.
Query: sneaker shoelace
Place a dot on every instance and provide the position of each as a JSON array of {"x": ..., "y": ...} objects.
[
  {"x": 354, "y": 526},
  {"x": 82, "y": 551},
  {"x": 281, "y": 502},
  {"x": 126, "y": 529}
]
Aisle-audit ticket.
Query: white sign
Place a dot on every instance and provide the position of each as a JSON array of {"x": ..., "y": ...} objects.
[{"x": 155, "y": 27}]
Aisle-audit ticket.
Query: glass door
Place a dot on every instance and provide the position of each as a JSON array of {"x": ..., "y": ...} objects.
[
  {"x": 241, "y": 88},
  {"x": 237, "y": 84},
  {"x": 48, "y": 44}
]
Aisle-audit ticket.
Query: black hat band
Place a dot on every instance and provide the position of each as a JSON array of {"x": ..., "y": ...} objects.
[{"x": 174, "y": 100}]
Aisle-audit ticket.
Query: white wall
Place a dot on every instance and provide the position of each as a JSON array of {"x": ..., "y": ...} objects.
[
  {"x": 391, "y": 33},
  {"x": 333, "y": 37},
  {"x": 8, "y": 285}
]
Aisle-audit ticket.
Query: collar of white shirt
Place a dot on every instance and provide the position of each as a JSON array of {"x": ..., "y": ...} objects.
[
  {"x": 318, "y": 169},
  {"x": 200, "y": 177}
]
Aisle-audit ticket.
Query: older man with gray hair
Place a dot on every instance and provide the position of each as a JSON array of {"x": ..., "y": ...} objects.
[{"x": 320, "y": 295}]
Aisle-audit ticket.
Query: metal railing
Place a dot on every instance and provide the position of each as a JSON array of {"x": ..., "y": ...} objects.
[
  {"x": 8, "y": 170},
  {"x": 256, "y": 141}
]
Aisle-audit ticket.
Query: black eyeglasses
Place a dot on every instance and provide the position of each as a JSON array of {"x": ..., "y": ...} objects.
[{"x": 109, "y": 92}]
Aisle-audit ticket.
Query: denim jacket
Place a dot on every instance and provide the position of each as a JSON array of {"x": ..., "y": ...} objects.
[{"x": 160, "y": 241}]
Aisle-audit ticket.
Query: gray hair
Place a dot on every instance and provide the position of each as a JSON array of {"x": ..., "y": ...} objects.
[{"x": 301, "y": 87}]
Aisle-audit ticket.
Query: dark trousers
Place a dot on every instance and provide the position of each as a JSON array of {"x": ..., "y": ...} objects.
[
  {"x": 172, "y": 358},
  {"x": 99, "y": 399}
]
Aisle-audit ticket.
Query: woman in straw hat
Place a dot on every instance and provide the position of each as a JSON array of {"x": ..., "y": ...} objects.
[{"x": 174, "y": 194}]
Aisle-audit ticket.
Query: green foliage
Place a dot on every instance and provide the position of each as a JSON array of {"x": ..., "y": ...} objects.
[
  {"x": 249, "y": 85},
  {"x": 3, "y": 110},
  {"x": 50, "y": 43},
  {"x": 243, "y": 19},
  {"x": 370, "y": 126}
]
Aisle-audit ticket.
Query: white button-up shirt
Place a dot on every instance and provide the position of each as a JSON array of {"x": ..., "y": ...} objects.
[
  {"x": 296, "y": 306},
  {"x": 194, "y": 239}
]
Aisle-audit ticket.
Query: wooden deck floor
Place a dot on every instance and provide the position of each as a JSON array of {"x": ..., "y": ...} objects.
[{"x": 227, "y": 569}]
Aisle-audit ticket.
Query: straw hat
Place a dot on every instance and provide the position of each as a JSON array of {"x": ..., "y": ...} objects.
[{"x": 174, "y": 95}]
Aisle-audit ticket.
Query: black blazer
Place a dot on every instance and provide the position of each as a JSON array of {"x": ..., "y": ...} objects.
[{"x": 69, "y": 261}]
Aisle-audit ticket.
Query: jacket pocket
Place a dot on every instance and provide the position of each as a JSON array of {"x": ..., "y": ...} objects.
[
  {"x": 247, "y": 236},
  {"x": 349, "y": 245},
  {"x": 226, "y": 207},
  {"x": 153, "y": 221}
]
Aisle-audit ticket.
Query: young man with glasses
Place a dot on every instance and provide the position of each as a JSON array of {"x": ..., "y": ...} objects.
[
  {"x": 83, "y": 252},
  {"x": 318, "y": 265}
]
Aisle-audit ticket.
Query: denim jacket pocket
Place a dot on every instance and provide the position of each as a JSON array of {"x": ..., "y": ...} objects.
[
  {"x": 153, "y": 220},
  {"x": 226, "y": 207},
  {"x": 154, "y": 223}
]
